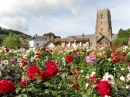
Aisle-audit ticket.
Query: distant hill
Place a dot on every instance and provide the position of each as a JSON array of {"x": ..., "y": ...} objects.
[{"x": 4, "y": 31}]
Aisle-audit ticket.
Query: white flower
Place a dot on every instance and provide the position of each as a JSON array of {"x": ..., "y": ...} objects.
[
  {"x": 109, "y": 59},
  {"x": 128, "y": 77},
  {"x": 63, "y": 59},
  {"x": 107, "y": 96},
  {"x": 6, "y": 62},
  {"x": 82, "y": 71},
  {"x": 129, "y": 68},
  {"x": 109, "y": 78},
  {"x": 122, "y": 69},
  {"x": 127, "y": 87},
  {"x": 122, "y": 78},
  {"x": 86, "y": 85},
  {"x": 93, "y": 73},
  {"x": 87, "y": 77}
]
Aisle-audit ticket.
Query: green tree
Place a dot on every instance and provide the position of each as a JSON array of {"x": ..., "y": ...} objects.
[
  {"x": 2, "y": 37},
  {"x": 11, "y": 41},
  {"x": 122, "y": 37},
  {"x": 51, "y": 34}
]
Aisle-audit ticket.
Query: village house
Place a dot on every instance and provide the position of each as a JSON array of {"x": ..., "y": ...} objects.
[
  {"x": 37, "y": 41},
  {"x": 103, "y": 35}
]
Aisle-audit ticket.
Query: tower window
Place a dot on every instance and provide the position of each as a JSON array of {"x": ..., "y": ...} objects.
[
  {"x": 101, "y": 29},
  {"x": 101, "y": 23},
  {"x": 101, "y": 16}
]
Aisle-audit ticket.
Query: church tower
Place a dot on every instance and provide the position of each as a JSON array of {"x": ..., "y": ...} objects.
[
  {"x": 103, "y": 29},
  {"x": 103, "y": 22}
]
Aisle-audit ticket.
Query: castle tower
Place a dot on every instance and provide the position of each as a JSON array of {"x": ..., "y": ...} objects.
[
  {"x": 103, "y": 29},
  {"x": 103, "y": 23}
]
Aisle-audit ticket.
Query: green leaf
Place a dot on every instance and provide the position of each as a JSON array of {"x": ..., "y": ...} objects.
[{"x": 85, "y": 95}]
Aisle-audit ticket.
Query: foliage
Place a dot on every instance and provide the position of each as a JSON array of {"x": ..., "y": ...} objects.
[
  {"x": 2, "y": 37},
  {"x": 67, "y": 71},
  {"x": 122, "y": 38},
  {"x": 51, "y": 34},
  {"x": 12, "y": 41}
]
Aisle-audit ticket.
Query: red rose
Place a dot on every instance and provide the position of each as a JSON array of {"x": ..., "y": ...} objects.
[
  {"x": 23, "y": 83},
  {"x": 75, "y": 86},
  {"x": 92, "y": 79},
  {"x": 115, "y": 59},
  {"x": 74, "y": 70},
  {"x": 46, "y": 75},
  {"x": 123, "y": 54},
  {"x": 121, "y": 59},
  {"x": 104, "y": 88},
  {"x": 51, "y": 66},
  {"x": 69, "y": 58},
  {"x": 6, "y": 87},
  {"x": 24, "y": 62},
  {"x": 33, "y": 72}
]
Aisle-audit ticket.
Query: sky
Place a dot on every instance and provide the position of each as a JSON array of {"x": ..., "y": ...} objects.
[{"x": 61, "y": 17}]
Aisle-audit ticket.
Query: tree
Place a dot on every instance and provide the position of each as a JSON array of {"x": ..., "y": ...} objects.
[
  {"x": 11, "y": 41},
  {"x": 122, "y": 38},
  {"x": 51, "y": 34}
]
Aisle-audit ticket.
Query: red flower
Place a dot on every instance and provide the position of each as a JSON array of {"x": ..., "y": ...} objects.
[
  {"x": 23, "y": 83},
  {"x": 33, "y": 72},
  {"x": 104, "y": 88},
  {"x": 24, "y": 62},
  {"x": 74, "y": 70},
  {"x": 121, "y": 59},
  {"x": 69, "y": 58},
  {"x": 37, "y": 55},
  {"x": 92, "y": 79},
  {"x": 115, "y": 59},
  {"x": 6, "y": 87},
  {"x": 75, "y": 86},
  {"x": 46, "y": 75},
  {"x": 123, "y": 54},
  {"x": 51, "y": 66}
]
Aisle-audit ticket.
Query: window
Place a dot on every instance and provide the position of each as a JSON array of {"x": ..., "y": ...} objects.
[
  {"x": 101, "y": 23},
  {"x": 101, "y": 16},
  {"x": 37, "y": 44},
  {"x": 101, "y": 29}
]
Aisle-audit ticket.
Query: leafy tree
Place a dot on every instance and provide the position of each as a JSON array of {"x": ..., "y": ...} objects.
[
  {"x": 122, "y": 38},
  {"x": 51, "y": 34},
  {"x": 2, "y": 37},
  {"x": 12, "y": 41}
]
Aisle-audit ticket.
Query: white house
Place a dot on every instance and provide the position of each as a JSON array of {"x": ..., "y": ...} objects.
[{"x": 37, "y": 41}]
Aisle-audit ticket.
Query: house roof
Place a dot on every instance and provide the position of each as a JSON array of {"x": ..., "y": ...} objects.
[{"x": 37, "y": 37}]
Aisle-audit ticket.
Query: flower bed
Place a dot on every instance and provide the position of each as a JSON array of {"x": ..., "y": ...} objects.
[{"x": 65, "y": 72}]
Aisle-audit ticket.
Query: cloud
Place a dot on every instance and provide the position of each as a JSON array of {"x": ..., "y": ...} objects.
[
  {"x": 37, "y": 6},
  {"x": 16, "y": 23}
]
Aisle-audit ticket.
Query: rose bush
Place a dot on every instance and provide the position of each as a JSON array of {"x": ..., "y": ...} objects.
[{"x": 65, "y": 72}]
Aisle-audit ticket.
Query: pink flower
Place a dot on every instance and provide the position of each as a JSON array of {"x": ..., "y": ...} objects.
[
  {"x": 90, "y": 59},
  {"x": 6, "y": 87}
]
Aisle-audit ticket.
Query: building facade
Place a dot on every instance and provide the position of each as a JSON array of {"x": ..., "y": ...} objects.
[{"x": 37, "y": 41}]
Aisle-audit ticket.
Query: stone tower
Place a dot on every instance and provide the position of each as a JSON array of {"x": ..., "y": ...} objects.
[{"x": 103, "y": 28}]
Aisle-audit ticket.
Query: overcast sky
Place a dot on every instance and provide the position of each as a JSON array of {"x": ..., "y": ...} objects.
[{"x": 62, "y": 17}]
